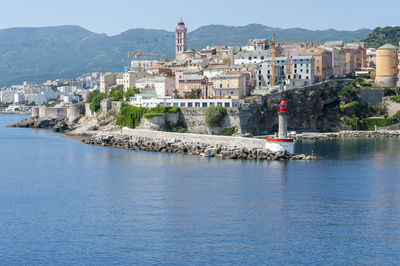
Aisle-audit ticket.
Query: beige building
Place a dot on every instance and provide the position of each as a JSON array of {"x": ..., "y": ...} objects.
[
  {"x": 229, "y": 86},
  {"x": 128, "y": 79},
  {"x": 387, "y": 65},
  {"x": 107, "y": 80}
]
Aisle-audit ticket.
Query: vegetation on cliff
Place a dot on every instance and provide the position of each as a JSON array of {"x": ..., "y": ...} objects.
[
  {"x": 381, "y": 36},
  {"x": 130, "y": 116},
  {"x": 214, "y": 116},
  {"x": 117, "y": 93},
  {"x": 95, "y": 97}
]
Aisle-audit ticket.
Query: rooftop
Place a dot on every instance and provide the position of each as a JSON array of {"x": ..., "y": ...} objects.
[{"x": 387, "y": 46}]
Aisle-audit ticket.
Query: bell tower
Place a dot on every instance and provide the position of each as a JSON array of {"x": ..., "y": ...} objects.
[{"x": 180, "y": 39}]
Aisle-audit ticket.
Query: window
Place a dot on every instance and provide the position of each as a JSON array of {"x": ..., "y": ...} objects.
[
  {"x": 227, "y": 105},
  {"x": 175, "y": 104},
  {"x": 212, "y": 104},
  {"x": 219, "y": 104},
  {"x": 182, "y": 104},
  {"x": 220, "y": 85},
  {"x": 204, "y": 105},
  {"x": 190, "y": 104},
  {"x": 197, "y": 104}
]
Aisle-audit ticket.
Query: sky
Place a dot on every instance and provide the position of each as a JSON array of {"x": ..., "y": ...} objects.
[{"x": 115, "y": 16}]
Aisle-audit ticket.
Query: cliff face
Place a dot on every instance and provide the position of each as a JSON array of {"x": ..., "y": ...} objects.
[{"x": 315, "y": 108}]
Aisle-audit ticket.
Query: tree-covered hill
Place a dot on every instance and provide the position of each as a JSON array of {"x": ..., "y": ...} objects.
[{"x": 381, "y": 36}]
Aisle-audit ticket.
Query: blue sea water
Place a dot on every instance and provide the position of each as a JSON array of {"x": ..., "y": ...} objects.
[{"x": 66, "y": 203}]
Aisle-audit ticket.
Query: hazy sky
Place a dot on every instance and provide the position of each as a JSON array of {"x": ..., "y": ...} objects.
[{"x": 115, "y": 16}]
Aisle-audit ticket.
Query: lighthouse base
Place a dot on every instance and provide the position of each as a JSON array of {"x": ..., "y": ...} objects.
[{"x": 277, "y": 145}]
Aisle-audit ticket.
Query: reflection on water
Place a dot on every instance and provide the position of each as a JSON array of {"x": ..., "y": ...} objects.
[{"x": 64, "y": 202}]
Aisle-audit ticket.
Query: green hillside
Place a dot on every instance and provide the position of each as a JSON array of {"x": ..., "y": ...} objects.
[
  {"x": 381, "y": 36},
  {"x": 38, "y": 54}
]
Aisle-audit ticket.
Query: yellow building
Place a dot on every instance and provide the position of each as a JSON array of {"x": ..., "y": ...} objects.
[
  {"x": 229, "y": 86},
  {"x": 387, "y": 65}
]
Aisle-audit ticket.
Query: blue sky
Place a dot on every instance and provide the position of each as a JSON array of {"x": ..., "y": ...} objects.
[{"x": 115, "y": 16}]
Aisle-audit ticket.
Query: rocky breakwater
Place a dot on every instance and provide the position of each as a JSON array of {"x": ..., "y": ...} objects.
[
  {"x": 55, "y": 124},
  {"x": 191, "y": 148},
  {"x": 370, "y": 134},
  {"x": 349, "y": 134}
]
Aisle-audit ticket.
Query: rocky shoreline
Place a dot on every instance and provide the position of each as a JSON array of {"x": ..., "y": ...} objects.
[
  {"x": 182, "y": 147},
  {"x": 54, "y": 124}
]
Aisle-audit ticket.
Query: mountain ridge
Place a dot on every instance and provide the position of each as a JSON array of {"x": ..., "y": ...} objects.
[{"x": 38, "y": 53}]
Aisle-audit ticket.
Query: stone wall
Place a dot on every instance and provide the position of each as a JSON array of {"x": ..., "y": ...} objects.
[
  {"x": 196, "y": 123},
  {"x": 48, "y": 112},
  {"x": 372, "y": 96},
  {"x": 107, "y": 106},
  {"x": 73, "y": 112},
  {"x": 88, "y": 112}
]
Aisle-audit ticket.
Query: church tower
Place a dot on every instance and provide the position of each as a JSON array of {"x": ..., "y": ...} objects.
[{"x": 180, "y": 40}]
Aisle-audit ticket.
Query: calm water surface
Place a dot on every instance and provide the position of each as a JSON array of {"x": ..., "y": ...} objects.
[{"x": 64, "y": 202}]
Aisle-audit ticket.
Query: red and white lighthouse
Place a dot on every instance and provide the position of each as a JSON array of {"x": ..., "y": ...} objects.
[{"x": 282, "y": 142}]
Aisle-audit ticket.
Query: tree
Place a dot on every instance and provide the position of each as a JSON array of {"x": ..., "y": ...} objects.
[
  {"x": 131, "y": 92},
  {"x": 92, "y": 94},
  {"x": 95, "y": 103},
  {"x": 117, "y": 93}
]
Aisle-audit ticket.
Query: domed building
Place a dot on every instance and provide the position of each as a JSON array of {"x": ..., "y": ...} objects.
[{"x": 386, "y": 65}]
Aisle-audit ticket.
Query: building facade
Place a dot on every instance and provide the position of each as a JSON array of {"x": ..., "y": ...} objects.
[
  {"x": 322, "y": 62},
  {"x": 158, "y": 85},
  {"x": 107, "y": 80},
  {"x": 229, "y": 86},
  {"x": 193, "y": 84}
]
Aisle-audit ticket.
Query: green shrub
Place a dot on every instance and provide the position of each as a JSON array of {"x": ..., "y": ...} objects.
[
  {"x": 369, "y": 123},
  {"x": 131, "y": 92},
  {"x": 395, "y": 99},
  {"x": 389, "y": 92},
  {"x": 130, "y": 116},
  {"x": 215, "y": 116},
  {"x": 165, "y": 109},
  {"x": 117, "y": 93},
  {"x": 91, "y": 95},
  {"x": 152, "y": 114},
  {"x": 229, "y": 131},
  {"x": 95, "y": 103},
  {"x": 349, "y": 93}
]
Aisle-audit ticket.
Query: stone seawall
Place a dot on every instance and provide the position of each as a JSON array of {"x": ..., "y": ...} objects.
[
  {"x": 350, "y": 134},
  {"x": 192, "y": 144}
]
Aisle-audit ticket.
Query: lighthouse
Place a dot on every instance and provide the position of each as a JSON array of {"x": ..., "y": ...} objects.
[{"x": 282, "y": 142}]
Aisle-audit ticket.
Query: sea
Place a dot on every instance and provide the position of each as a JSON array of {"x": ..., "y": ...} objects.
[{"x": 66, "y": 203}]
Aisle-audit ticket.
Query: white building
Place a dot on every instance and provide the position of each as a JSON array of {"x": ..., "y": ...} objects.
[
  {"x": 151, "y": 101},
  {"x": 7, "y": 96},
  {"x": 38, "y": 99},
  {"x": 144, "y": 64},
  {"x": 264, "y": 71},
  {"x": 293, "y": 73},
  {"x": 251, "y": 57},
  {"x": 19, "y": 97},
  {"x": 158, "y": 85},
  {"x": 302, "y": 71}
]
